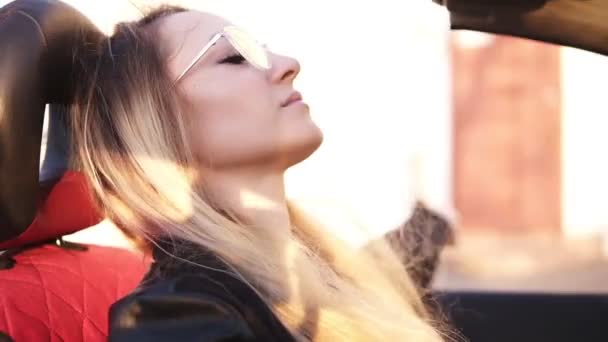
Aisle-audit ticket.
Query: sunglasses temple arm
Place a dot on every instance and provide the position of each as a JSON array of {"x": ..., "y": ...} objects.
[{"x": 199, "y": 56}]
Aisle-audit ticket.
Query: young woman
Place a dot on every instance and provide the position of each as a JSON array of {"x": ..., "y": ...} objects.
[{"x": 185, "y": 126}]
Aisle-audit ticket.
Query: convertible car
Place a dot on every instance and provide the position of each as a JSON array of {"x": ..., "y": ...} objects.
[{"x": 53, "y": 290}]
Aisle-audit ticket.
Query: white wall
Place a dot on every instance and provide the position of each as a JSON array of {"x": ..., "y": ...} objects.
[{"x": 584, "y": 143}]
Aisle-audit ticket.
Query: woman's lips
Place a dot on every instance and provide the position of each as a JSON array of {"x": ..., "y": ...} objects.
[{"x": 293, "y": 98}]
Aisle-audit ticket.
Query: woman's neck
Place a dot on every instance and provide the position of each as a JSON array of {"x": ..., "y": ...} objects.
[{"x": 257, "y": 198}]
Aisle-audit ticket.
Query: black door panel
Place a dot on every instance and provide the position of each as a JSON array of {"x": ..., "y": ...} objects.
[{"x": 498, "y": 317}]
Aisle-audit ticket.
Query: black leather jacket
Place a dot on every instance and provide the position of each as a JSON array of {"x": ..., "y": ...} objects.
[{"x": 179, "y": 301}]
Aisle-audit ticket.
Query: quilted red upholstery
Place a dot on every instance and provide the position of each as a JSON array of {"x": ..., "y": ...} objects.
[
  {"x": 68, "y": 208},
  {"x": 57, "y": 294},
  {"x": 54, "y": 294}
]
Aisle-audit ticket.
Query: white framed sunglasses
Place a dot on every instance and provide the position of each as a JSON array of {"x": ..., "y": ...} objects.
[{"x": 243, "y": 43}]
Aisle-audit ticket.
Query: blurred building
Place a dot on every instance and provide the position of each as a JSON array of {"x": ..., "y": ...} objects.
[
  {"x": 529, "y": 130},
  {"x": 507, "y": 134}
]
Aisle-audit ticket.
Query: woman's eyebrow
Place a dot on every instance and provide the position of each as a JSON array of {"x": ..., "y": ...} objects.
[
  {"x": 216, "y": 51},
  {"x": 187, "y": 38},
  {"x": 221, "y": 48}
]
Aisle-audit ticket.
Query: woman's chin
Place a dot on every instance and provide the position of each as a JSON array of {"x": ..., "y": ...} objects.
[{"x": 305, "y": 146}]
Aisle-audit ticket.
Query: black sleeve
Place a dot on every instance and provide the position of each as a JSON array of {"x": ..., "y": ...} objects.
[{"x": 170, "y": 312}]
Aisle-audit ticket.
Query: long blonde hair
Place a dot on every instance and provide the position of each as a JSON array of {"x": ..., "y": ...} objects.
[{"x": 130, "y": 142}]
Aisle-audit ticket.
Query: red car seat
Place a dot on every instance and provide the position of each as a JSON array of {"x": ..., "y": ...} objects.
[{"x": 50, "y": 290}]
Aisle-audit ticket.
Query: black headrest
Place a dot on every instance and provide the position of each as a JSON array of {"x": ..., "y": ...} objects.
[
  {"x": 39, "y": 40},
  {"x": 578, "y": 23}
]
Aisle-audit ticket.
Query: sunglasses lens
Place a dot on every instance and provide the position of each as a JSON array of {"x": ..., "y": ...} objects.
[{"x": 247, "y": 46}]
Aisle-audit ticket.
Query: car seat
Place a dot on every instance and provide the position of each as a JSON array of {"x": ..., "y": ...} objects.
[{"x": 50, "y": 289}]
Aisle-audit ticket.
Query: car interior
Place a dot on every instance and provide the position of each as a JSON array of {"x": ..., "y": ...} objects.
[{"x": 51, "y": 289}]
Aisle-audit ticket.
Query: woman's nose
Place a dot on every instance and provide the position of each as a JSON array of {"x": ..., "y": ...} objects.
[{"x": 284, "y": 69}]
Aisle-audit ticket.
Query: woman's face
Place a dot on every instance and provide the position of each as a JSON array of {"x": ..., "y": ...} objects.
[{"x": 236, "y": 113}]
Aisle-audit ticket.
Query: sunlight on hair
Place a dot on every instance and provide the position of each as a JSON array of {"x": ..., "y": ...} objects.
[
  {"x": 295, "y": 302},
  {"x": 173, "y": 184}
]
